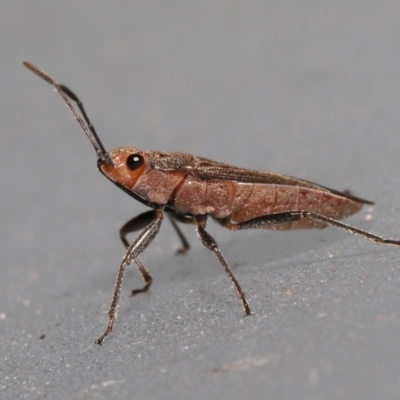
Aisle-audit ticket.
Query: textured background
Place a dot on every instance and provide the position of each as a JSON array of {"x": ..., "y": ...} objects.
[{"x": 310, "y": 89}]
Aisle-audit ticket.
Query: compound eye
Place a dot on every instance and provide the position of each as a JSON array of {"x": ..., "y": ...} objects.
[{"x": 134, "y": 161}]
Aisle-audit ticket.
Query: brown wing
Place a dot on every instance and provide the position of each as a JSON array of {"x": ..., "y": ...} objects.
[{"x": 212, "y": 170}]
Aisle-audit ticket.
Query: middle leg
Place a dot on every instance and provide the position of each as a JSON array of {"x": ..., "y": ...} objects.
[{"x": 212, "y": 245}]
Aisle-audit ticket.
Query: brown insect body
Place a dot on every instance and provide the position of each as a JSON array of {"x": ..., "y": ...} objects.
[
  {"x": 190, "y": 188},
  {"x": 199, "y": 186}
]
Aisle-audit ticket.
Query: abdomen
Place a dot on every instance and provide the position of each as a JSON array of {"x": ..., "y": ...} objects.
[{"x": 241, "y": 202}]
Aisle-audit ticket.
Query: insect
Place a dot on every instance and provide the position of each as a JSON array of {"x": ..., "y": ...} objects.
[{"x": 189, "y": 189}]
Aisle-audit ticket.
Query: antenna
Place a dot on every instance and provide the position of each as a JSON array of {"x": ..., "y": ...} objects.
[{"x": 88, "y": 128}]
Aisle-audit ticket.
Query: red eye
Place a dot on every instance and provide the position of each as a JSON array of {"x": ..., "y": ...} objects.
[{"x": 134, "y": 161}]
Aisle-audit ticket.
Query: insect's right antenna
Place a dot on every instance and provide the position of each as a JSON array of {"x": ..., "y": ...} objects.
[{"x": 88, "y": 128}]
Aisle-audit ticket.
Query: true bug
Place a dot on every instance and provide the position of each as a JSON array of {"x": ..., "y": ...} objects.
[{"x": 189, "y": 189}]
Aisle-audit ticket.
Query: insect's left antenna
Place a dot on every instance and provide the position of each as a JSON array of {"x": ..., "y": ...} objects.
[{"x": 88, "y": 128}]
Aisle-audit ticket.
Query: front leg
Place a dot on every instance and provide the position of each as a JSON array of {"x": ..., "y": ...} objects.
[
  {"x": 134, "y": 250},
  {"x": 135, "y": 224},
  {"x": 140, "y": 221}
]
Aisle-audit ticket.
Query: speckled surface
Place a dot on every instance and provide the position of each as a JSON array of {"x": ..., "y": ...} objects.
[{"x": 309, "y": 89}]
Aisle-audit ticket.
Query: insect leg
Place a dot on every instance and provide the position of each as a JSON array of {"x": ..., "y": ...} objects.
[
  {"x": 134, "y": 250},
  {"x": 261, "y": 222},
  {"x": 292, "y": 216},
  {"x": 367, "y": 235},
  {"x": 143, "y": 220},
  {"x": 185, "y": 220},
  {"x": 135, "y": 224},
  {"x": 212, "y": 245}
]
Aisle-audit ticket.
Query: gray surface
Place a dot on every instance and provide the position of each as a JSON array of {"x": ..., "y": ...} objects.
[{"x": 311, "y": 89}]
